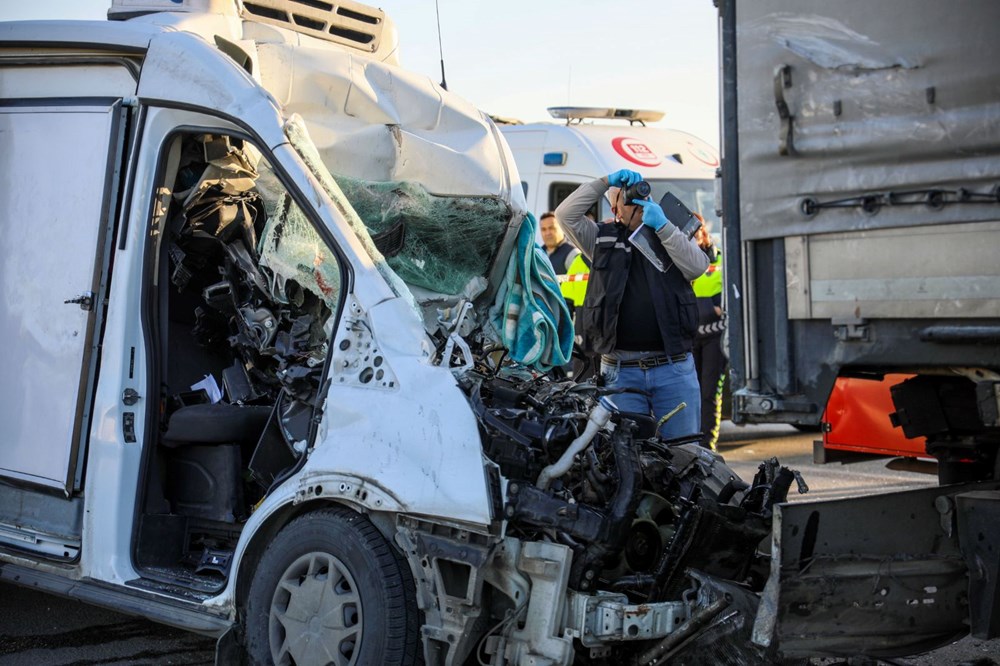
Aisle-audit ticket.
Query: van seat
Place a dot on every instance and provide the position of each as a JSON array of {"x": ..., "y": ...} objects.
[
  {"x": 220, "y": 423},
  {"x": 204, "y": 460}
]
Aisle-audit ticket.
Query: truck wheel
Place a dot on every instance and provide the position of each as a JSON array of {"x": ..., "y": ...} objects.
[{"x": 331, "y": 590}]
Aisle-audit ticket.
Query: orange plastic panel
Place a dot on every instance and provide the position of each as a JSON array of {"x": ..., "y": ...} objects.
[{"x": 858, "y": 417}]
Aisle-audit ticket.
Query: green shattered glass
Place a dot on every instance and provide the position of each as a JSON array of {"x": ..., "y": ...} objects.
[{"x": 447, "y": 240}]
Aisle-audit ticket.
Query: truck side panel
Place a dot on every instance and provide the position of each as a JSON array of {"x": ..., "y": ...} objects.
[{"x": 861, "y": 195}]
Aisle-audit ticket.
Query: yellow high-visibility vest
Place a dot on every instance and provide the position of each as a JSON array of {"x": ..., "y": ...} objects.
[
  {"x": 574, "y": 283},
  {"x": 710, "y": 283}
]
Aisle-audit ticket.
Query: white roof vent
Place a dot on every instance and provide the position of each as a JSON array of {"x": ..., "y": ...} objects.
[
  {"x": 575, "y": 114},
  {"x": 343, "y": 22}
]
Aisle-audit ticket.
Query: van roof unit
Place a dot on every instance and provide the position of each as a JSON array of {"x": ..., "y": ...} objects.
[{"x": 343, "y": 22}]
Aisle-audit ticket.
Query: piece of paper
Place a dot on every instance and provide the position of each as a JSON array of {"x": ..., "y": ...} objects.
[
  {"x": 646, "y": 241},
  {"x": 211, "y": 388}
]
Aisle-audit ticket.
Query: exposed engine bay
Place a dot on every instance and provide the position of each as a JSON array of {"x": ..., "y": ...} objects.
[{"x": 662, "y": 536}]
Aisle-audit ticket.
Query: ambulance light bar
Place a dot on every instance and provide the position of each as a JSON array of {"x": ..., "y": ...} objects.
[{"x": 578, "y": 113}]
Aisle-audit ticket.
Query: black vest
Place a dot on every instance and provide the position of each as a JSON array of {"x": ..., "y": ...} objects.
[
  {"x": 674, "y": 303},
  {"x": 559, "y": 256}
]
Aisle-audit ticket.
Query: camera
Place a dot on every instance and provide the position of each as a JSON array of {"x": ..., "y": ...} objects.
[{"x": 640, "y": 190}]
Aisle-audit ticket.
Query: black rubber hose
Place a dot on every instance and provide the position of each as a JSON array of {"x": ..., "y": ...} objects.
[{"x": 619, "y": 515}]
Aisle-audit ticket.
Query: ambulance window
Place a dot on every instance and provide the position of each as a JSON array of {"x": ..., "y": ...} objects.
[
  {"x": 524, "y": 186},
  {"x": 558, "y": 193}
]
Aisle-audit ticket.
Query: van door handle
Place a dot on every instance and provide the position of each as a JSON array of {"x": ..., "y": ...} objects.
[
  {"x": 130, "y": 396},
  {"x": 84, "y": 300}
]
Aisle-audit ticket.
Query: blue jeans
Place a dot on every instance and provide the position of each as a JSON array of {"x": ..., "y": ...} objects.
[{"x": 668, "y": 386}]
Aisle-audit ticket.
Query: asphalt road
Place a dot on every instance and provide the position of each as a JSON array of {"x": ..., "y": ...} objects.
[
  {"x": 745, "y": 447},
  {"x": 38, "y": 629}
]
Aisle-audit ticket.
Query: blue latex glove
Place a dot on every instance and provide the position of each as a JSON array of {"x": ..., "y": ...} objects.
[
  {"x": 652, "y": 214},
  {"x": 623, "y": 178}
]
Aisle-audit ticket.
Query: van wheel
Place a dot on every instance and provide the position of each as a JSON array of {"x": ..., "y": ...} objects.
[{"x": 331, "y": 590}]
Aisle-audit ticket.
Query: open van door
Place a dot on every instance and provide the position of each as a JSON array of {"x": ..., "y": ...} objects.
[{"x": 59, "y": 176}]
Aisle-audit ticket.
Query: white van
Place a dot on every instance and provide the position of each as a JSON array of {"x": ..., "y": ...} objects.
[
  {"x": 246, "y": 263},
  {"x": 553, "y": 159}
]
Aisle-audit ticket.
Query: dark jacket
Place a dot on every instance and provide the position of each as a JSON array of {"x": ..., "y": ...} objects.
[
  {"x": 675, "y": 310},
  {"x": 562, "y": 257}
]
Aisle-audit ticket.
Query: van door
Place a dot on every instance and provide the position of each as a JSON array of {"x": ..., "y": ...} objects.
[{"x": 59, "y": 181}]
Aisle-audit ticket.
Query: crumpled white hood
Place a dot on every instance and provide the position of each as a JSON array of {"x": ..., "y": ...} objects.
[{"x": 377, "y": 122}]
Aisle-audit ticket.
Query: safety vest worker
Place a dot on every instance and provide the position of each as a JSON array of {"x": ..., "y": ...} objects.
[
  {"x": 709, "y": 354},
  {"x": 572, "y": 270},
  {"x": 710, "y": 284},
  {"x": 574, "y": 283}
]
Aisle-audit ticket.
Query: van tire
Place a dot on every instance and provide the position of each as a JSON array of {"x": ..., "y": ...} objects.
[{"x": 372, "y": 603}]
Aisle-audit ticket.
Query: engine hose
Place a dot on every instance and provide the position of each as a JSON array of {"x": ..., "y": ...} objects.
[
  {"x": 635, "y": 583},
  {"x": 598, "y": 474},
  {"x": 733, "y": 486},
  {"x": 618, "y": 516},
  {"x": 599, "y": 417},
  {"x": 666, "y": 568}
]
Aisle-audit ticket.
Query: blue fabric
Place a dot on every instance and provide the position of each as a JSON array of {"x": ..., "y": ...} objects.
[
  {"x": 668, "y": 385},
  {"x": 530, "y": 315}
]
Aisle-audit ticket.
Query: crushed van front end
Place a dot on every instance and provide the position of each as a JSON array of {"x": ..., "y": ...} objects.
[{"x": 607, "y": 544}]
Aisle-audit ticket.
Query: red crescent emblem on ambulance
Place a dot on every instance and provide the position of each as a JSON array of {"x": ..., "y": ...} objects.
[
  {"x": 703, "y": 155},
  {"x": 635, "y": 151}
]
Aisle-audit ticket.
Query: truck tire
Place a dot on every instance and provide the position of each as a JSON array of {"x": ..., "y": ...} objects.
[{"x": 331, "y": 590}]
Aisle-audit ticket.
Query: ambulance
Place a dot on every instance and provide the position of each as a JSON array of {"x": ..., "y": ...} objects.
[{"x": 554, "y": 159}]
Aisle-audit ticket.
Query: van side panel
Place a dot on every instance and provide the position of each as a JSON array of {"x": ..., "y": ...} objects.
[{"x": 53, "y": 217}]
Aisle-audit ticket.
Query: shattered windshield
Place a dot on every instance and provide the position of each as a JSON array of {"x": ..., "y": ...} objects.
[{"x": 439, "y": 243}]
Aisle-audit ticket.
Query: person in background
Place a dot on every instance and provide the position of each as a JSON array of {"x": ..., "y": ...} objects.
[
  {"x": 640, "y": 320},
  {"x": 561, "y": 253},
  {"x": 709, "y": 353},
  {"x": 570, "y": 265}
]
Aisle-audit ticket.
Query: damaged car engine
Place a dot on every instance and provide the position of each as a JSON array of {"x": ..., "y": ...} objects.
[{"x": 649, "y": 518}]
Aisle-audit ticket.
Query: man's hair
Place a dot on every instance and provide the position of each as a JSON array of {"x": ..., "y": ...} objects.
[{"x": 546, "y": 215}]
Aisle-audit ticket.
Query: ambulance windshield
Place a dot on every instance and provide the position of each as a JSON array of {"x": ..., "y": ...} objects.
[{"x": 696, "y": 194}]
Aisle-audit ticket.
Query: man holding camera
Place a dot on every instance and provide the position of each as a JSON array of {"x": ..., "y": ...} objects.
[{"x": 641, "y": 318}]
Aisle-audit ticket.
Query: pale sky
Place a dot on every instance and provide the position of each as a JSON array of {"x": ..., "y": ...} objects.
[{"x": 516, "y": 58}]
